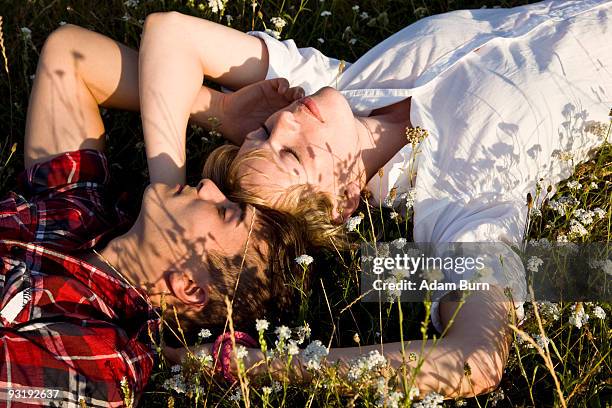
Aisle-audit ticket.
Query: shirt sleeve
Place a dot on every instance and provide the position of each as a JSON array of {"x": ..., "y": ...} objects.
[
  {"x": 306, "y": 67},
  {"x": 84, "y": 364}
]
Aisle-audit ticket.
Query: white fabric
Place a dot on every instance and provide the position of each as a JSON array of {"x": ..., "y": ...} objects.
[{"x": 499, "y": 90}]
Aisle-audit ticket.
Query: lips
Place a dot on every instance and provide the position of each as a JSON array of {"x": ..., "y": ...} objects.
[{"x": 312, "y": 108}]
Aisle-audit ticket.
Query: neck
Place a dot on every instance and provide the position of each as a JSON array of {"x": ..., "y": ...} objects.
[
  {"x": 127, "y": 256},
  {"x": 381, "y": 135}
]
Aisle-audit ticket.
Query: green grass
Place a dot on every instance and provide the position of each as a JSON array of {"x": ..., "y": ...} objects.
[{"x": 582, "y": 360}]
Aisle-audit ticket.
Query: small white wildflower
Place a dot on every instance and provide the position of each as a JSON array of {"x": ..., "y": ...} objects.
[
  {"x": 273, "y": 33},
  {"x": 216, "y": 5},
  {"x": 26, "y": 32},
  {"x": 431, "y": 400},
  {"x": 62, "y": 23},
  {"x": 353, "y": 222},
  {"x": 304, "y": 260},
  {"x": 410, "y": 198},
  {"x": 292, "y": 348},
  {"x": 534, "y": 263},
  {"x": 414, "y": 393},
  {"x": 562, "y": 238},
  {"x": 283, "y": 332},
  {"x": 303, "y": 333},
  {"x": 601, "y": 214},
  {"x": 325, "y": 13},
  {"x": 242, "y": 352},
  {"x": 496, "y": 396},
  {"x": 399, "y": 243},
  {"x": 261, "y": 325},
  {"x": 204, "y": 333},
  {"x": 176, "y": 384},
  {"x": 131, "y": 3},
  {"x": 574, "y": 185},
  {"x": 276, "y": 386},
  {"x": 576, "y": 228},
  {"x": 205, "y": 358},
  {"x": 364, "y": 15},
  {"x": 236, "y": 397},
  {"x": 584, "y": 216},
  {"x": 599, "y": 313},
  {"x": 550, "y": 310},
  {"x": 392, "y": 400},
  {"x": 535, "y": 212},
  {"x": 253, "y": 4},
  {"x": 393, "y": 215},
  {"x": 313, "y": 354},
  {"x": 320, "y": 40},
  {"x": 266, "y": 390},
  {"x": 461, "y": 403},
  {"x": 229, "y": 19},
  {"x": 541, "y": 341},
  {"x": 355, "y": 8},
  {"x": 125, "y": 17},
  {"x": 352, "y": 41},
  {"x": 356, "y": 338},
  {"x": 361, "y": 367},
  {"x": 578, "y": 318},
  {"x": 593, "y": 185},
  {"x": 278, "y": 23},
  {"x": 176, "y": 368}
]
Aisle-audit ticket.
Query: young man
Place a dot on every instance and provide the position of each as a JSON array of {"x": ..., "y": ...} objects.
[{"x": 77, "y": 324}]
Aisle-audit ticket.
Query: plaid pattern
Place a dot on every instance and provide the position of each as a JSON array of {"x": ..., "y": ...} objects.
[{"x": 77, "y": 329}]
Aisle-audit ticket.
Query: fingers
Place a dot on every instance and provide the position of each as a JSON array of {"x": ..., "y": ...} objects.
[{"x": 290, "y": 93}]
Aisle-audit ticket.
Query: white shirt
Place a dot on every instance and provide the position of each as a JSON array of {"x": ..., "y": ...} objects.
[{"x": 500, "y": 91}]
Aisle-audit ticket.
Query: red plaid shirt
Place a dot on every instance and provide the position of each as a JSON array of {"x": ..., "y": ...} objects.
[{"x": 69, "y": 333}]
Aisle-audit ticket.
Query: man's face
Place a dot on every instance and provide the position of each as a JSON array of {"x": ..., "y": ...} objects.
[{"x": 183, "y": 225}]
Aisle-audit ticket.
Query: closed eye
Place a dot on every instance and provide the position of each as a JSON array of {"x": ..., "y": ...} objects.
[{"x": 291, "y": 152}]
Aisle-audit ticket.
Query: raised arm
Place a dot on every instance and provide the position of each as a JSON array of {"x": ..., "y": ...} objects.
[{"x": 176, "y": 53}]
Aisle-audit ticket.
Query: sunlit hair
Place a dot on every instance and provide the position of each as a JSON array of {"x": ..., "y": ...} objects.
[
  {"x": 271, "y": 284},
  {"x": 311, "y": 209}
]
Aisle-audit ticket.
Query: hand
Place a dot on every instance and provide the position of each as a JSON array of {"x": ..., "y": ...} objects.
[{"x": 246, "y": 109}]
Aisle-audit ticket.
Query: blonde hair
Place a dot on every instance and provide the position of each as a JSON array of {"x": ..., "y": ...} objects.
[{"x": 311, "y": 209}]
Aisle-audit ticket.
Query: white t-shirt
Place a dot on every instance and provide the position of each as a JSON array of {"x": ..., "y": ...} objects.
[{"x": 501, "y": 93}]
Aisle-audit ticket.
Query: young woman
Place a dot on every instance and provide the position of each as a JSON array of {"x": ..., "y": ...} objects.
[{"x": 505, "y": 94}]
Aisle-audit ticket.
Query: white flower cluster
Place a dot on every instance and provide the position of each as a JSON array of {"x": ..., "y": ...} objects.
[
  {"x": 204, "y": 333},
  {"x": 304, "y": 260},
  {"x": 283, "y": 333},
  {"x": 236, "y": 396},
  {"x": 563, "y": 204},
  {"x": 131, "y": 3},
  {"x": 273, "y": 33},
  {"x": 534, "y": 263},
  {"x": 541, "y": 341},
  {"x": 578, "y": 317},
  {"x": 261, "y": 325},
  {"x": 176, "y": 384},
  {"x": 496, "y": 396},
  {"x": 431, "y": 400},
  {"x": 577, "y": 229},
  {"x": 574, "y": 185},
  {"x": 361, "y": 367},
  {"x": 599, "y": 313},
  {"x": 26, "y": 33},
  {"x": 326, "y": 13},
  {"x": 353, "y": 222},
  {"x": 216, "y": 6},
  {"x": 278, "y": 23},
  {"x": 549, "y": 310},
  {"x": 584, "y": 216},
  {"x": 601, "y": 214},
  {"x": 313, "y": 355}
]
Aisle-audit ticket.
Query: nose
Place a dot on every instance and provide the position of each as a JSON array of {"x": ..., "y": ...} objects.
[{"x": 208, "y": 191}]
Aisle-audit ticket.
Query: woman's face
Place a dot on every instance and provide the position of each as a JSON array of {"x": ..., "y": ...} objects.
[{"x": 311, "y": 141}]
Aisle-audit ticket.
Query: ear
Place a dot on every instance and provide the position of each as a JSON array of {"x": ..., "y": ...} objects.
[
  {"x": 346, "y": 205},
  {"x": 186, "y": 290}
]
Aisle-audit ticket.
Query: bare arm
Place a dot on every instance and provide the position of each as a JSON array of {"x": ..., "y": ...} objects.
[{"x": 176, "y": 53}]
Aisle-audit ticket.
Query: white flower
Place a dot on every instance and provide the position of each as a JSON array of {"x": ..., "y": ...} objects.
[
  {"x": 205, "y": 358},
  {"x": 549, "y": 309},
  {"x": 576, "y": 228},
  {"x": 266, "y": 390},
  {"x": 361, "y": 367},
  {"x": 216, "y": 5},
  {"x": 601, "y": 214},
  {"x": 355, "y": 8},
  {"x": 278, "y": 23},
  {"x": 303, "y": 333},
  {"x": 353, "y": 222},
  {"x": 283, "y": 332},
  {"x": 273, "y": 33},
  {"x": 562, "y": 238},
  {"x": 392, "y": 401},
  {"x": 496, "y": 396},
  {"x": 584, "y": 216},
  {"x": 431, "y": 400},
  {"x": 352, "y": 41},
  {"x": 574, "y": 185},
  {"x": 534, "y": 263},
  {"x": 393, "y": 215},
  {"x": 542, "y": 341},
  {"x": 599, "y": 313},
  {"x": 204, "y": 333},
  {"x": 313, "y": 354},
  {"x": 175, "y": 368},
  {"x": 26, "y": 32},
  {"x": 364, "y": 15},
  {"x": 414, "y": 393},
  {"x": 261, "y": 325},
  {"x": 410, "y": 198},
  {"x": 237, "y": 396},
  {"x": 320, "y": 40},
  {"x": 578, "y": 318},
  {"x": 125, "y": 17},
  {"x": 131, "y": 3},
  {"x": 229, "y": 19},
  {"x": 304, "y": 260},
  {"x": 593, "y": 185},
  {"x": 535, "y": 212},
  {"x": 175, "y": 383},
  {"x": 399, "y": 243},
  {"x": 62, "y": 23},
  {"x": 276, "y": 386},
  {"x": 292, "y": 348},
  {"x": 325, "y": 13},
  {"x": 356, "y": 338}
]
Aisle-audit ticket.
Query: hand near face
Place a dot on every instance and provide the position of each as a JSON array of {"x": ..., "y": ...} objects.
[{"x": 247, "y": 108}]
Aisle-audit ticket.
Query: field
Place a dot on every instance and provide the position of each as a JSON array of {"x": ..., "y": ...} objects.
[{"x": 570, "y": 366}]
